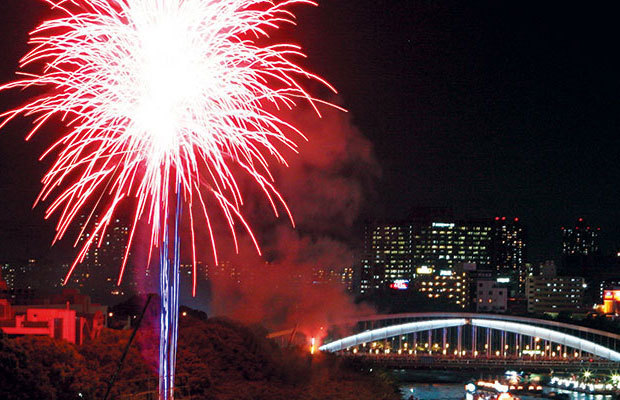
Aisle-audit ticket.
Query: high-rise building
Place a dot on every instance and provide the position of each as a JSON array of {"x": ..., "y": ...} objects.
[
  {"x": 18, "y": 275},
  {"x": 554, "y": 294},
  {"x": 441, "y": 245},
  {"x": 581, "y": 256},
  {"x": 228, "y": 271},
  {"x": 326, "y": 276},
  {"x": 508, "y": 251},
  {"x": 387, "y": 255},
  {"x": 580, "y": 240},
  {"x": 347, "y": 278},
  {"x": 97, "y": 274},
  {"x": 405, "y": 251}
]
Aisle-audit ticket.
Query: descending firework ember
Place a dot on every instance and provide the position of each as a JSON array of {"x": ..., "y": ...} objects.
[{"x": 161, "y": 100}]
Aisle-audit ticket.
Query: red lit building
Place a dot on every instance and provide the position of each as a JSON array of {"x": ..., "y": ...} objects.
[
  {"x": 611, "y": 301},
  {"x": 69, "y": 316}
]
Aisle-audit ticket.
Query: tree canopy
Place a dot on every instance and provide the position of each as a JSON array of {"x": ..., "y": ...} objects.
[{"x": 218, "y": 359}]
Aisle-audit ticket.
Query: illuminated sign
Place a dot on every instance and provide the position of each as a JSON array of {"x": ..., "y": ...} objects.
[
  {"x": 610, "y": 300},
  {"x": 493, "y": 385},
  {"x": 424, "y": 270},
  {"x": 442, "y": 225},
  {"x": 445, "y": 272},
  {"x": 532, "y": 352},
  {"x": 503, "y": 280},
  {"x": 611, "y": 295},
  {"x": 400, "y": 284}
]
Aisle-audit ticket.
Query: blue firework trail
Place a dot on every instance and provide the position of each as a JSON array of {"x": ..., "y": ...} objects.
[{"x": 169, "y": 314}]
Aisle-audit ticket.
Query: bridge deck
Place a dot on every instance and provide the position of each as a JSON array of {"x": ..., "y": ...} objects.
[{"x": 450, "y": 363}]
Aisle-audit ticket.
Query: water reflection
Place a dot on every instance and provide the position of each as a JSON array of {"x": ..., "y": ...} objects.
[{"x": 455, "y": 391}]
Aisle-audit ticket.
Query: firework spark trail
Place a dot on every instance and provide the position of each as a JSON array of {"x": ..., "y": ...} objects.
[
  {"x": 169, "y": 306},
  {"x": 158, "y": 91},
  {"x": 161, "y": 94}
]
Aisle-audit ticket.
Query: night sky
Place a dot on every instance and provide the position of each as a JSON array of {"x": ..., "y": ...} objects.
[{"x": 485, "y": 107}]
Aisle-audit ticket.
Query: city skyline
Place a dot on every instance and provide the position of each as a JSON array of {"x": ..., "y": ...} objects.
[{"x": 463, "y": 132}]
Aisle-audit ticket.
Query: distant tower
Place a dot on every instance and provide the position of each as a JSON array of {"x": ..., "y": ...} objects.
[
  {"x": 97, "y": 274},
  {"x": 387, "y": 255},
  {"x": 580, "y": 240},
  {"x": 508, "y": 249}
]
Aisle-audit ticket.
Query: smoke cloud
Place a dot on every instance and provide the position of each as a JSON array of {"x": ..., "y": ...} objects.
[{"x": 294, "y": 282}]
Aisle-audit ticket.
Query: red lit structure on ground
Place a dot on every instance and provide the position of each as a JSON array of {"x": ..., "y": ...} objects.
[
  {"x": 69, "y": 316},
  {"x": 611, "y": 301}
]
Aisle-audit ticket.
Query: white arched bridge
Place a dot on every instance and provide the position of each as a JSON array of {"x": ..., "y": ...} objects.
[{"x": 471, "y": 339}]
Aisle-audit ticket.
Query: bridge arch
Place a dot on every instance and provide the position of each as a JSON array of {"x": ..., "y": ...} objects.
[
  {"x": 507, "y": 326},
  {"x": 578, "y": 329}
]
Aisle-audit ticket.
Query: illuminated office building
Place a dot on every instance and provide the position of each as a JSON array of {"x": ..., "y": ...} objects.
[
  {"x": 580, "y": 240},
  {"x": 554, "y": 294},
  {"x": 410, "y": 251},
  {"x": 444, "y": 285},
  {"x": 347, "y": 278},
  {"x": 18, "y": 275},
  {"x": 441, "y": 245},
  {"x": 387, "y": 255},
  {"x": 97, "y": 274},
  {"x": 508, "y": 251},
  {"x": 581, "y": 256}
]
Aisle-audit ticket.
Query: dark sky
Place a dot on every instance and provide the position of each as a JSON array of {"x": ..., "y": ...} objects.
[
  {"x": 492, "y": 108},
  {"x": 488, "y": 107}
]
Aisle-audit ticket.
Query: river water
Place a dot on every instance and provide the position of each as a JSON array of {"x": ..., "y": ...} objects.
[
  {"x": 456, "y": 391},
  {"x": 449, "y": 386}
]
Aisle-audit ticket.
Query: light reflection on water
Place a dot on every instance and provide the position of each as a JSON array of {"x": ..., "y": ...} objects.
[
  {"x": 454, "y": 391},
  {"x": 433, "y": 391},
  {"x": 581, "y": 396}
]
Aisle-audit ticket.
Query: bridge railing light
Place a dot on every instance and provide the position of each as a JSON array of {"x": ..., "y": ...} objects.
[{"x": 544, "y": 341}]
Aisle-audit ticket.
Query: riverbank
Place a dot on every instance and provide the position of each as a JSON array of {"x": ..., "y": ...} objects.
[{"x": 217, "y": 359}]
